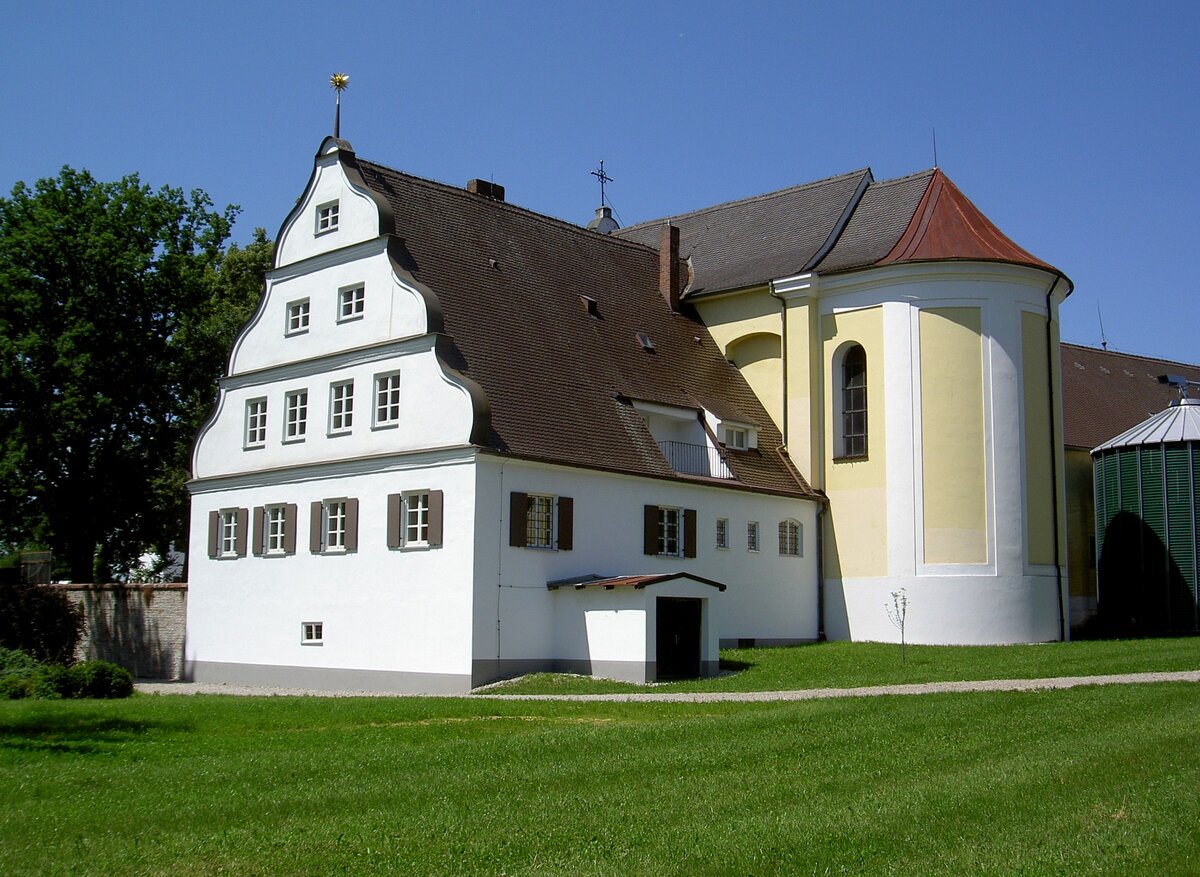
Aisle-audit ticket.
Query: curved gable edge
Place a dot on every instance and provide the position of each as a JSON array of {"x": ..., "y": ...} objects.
[
  {"x": 481, "y": 408},
  {"x": 349, "y": 164}
]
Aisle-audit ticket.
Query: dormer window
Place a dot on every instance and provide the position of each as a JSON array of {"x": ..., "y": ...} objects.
[
  {"x": 738, "y": 436},
  {"x": 327, "y": 217}
]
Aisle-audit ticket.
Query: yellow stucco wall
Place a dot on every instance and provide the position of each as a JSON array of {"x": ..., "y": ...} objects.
[
  {"x": 856, "y": 526},
  {"x": 1039, "y": 520},
  {"x": 747, "y": 327},
  {"x": 953, "y": 461},
  {"x": 1081, "y": 523}
]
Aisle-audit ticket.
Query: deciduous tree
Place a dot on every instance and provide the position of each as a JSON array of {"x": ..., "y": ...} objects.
[{"x": 117, "y": 307}]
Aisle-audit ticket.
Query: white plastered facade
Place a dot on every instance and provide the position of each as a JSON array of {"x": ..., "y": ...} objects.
[{"x": 444, "y": 617}]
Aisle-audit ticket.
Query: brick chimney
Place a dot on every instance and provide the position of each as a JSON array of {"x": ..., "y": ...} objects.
[
  {"x": 485, "y": 189},
  {"x": 670, "y": 277}
]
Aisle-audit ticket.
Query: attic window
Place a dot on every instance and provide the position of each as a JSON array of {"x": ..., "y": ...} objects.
[
  {"x": 327, "y": 217},
  {"x": 644, "y": 340},
  {"x": 589, "y": 305}
]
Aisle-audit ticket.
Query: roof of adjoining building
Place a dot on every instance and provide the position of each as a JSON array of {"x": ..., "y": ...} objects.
[
  {"x": 748, "y": 242},
  {"x": 558, "y": 379},
  {"x": 1106, "y": 393},
  {"x": 838, "y": 224}
]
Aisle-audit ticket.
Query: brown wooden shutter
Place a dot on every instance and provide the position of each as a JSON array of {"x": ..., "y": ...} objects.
[
  {"x": 436, "y": 503},
  {"x": 689, "y": 532},
  {"x": 289, "y": 528},
  {"x": 518, "y": 516},
  {"x": 650, "y": 529},
  {"x": 243, "y": 524},
  {"x": 566, "y": 523},
  {"x": 214, "y": 534},
  {"x": 315, "y": 537},
  {"x": 257, "y": 543},
  {"x": 352, "y": 525},
  {"x": 395, "y": 514}
]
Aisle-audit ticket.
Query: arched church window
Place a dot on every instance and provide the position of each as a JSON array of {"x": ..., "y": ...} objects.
[{"x": 854, "y": 402}]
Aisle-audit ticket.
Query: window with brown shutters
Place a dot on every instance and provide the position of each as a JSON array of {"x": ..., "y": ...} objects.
[
  {"x": 669, "y": 532},
  {"x": 333, "y": 526},
  {"x": 228, "y": 534},
  {"x": 415, "y": 519},
  {"x": 538, "y": 520},
  {"x": 274, "y": 530}
]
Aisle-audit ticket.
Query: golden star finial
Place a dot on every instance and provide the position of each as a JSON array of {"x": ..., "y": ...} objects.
[{"x": 339, "y": 81}]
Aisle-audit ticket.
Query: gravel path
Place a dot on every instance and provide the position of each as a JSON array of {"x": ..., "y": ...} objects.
[{"x": 708, "y": 697}]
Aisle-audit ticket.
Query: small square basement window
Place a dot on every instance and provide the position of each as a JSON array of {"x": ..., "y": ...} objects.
[{"x": 312, "y": 633}]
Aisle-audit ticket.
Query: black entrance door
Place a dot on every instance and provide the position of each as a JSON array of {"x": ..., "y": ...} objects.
[{"x": 678, "y": 633}]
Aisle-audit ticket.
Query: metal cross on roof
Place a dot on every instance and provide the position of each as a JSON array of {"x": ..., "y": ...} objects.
[{"x": 603, "y": 178}]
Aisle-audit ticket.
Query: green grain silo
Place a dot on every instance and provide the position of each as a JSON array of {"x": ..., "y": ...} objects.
[{"x": 1147, "y": 518}]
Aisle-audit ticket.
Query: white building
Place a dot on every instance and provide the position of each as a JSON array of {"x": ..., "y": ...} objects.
[{"x": 459, "y": 440}]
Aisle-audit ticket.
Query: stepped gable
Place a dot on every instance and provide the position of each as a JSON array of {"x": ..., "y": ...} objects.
[
  {"x": 559, "y": 379},
  {"x": 748, "y": 242},
  {"x": 1106, "y": 393}
]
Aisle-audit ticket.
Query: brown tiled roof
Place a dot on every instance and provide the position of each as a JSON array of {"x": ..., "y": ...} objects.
[
  {"x": 632, "y": 581},
  {"x": 558, "y": 380},
  {"x": 1106, "y": 393},
  {"x": 748, "y": 242}
]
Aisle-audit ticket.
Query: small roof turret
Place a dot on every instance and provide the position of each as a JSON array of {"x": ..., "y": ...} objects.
[{"x": 603, "y": 221}]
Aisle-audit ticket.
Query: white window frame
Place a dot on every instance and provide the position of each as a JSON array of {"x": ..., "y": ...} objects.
[
  {"x": 389, "y": 384},
  {"x": 312, "y": 633},
  {"x": 791, "y": 538},
  {"x": 541, "y": 521},
  {"x": 753, "y": 536},
  {"x": 227, "y": 538},
  {"x": 295, "y": 415},
  {"x": 327, "y": 217},
  {"x": 256, "y": 423},
  {"x": 737, "y": 438},
  {"x": 333, "y": 526},
  {"x": 722, "y": 534},
  {"x": 351, "y": 302},
  {"x": 414, "y": 525},
  {"x": 298, "y": 315},
  {"x": 670, "y": 528},
  {"x": 275, "y": 527},
  {"x": 341, "y": 407}
]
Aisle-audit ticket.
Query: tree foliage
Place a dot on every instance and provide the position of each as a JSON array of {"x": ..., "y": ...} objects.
[{"x": 117, "y": 308}]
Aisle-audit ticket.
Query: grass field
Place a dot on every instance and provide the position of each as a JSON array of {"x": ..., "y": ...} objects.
[
  {"x": 1083, "y": 781},
  {"x": 846, "y": 665}
]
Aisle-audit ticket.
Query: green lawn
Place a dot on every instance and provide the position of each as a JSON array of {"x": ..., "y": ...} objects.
[
  {"x": 1083, "y": 781},
  {"x": 847, "y": 665}
]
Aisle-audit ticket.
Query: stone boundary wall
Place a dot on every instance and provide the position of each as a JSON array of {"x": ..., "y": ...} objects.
[{"x": 141, "y": 627}]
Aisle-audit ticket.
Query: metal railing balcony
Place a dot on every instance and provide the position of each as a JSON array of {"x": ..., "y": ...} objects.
[{"x": 690, "y": 459}]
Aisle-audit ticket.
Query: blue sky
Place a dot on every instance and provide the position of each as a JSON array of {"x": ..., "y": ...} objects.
[{"x": 1073, "y": 126}]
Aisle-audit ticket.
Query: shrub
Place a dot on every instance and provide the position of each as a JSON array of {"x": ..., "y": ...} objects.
[
  {"x": 100, "y": 679},
  {"x": 14, "y": 687},
  {"x": 41, "y": 621},
  {"x": 51, "y": 682}
]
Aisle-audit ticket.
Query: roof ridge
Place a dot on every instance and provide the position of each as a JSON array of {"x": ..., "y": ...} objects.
[
  {"x": 748, "y": 200},
  {"x": 462, "y": 193},
  {"x": 1129, "y": 355},
  {"x": 891, "y": 181}
]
